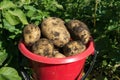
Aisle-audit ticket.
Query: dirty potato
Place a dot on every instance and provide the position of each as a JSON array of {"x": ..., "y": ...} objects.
[
  {"x": 73, "y": 48},
  {"x": 54, "y": 29},
  {"x": 31, "y": 33},
  {"x": 80, "y": 30},
  {"x": 43, "y": 47},
  {"x": 57, "y": 54}
]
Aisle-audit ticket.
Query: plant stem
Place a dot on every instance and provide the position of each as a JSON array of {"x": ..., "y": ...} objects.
[{"x": 95, "y": 14}]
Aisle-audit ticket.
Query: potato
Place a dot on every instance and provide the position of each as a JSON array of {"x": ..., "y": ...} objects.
[
  {"x": 54, "y": 29},
  {"x": 57, "y": 54},
  {"x": 73, "y": 48},
  {"x": 31, "y": 33},
  {"x": 43, "y": 47},
  {"x": 80, "y": 30},
  {"x": 51, "y": 21}
]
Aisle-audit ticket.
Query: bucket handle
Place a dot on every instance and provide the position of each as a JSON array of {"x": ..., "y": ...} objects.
[{"x": 91, "y": 66}]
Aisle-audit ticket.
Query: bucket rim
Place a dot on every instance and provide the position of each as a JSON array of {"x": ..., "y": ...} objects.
[{"x": 32, "y": 56}]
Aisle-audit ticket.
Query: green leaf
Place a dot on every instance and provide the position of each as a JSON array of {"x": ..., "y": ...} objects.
[
  {"x": 104, "y": 63},
  {"x": 3, "y": 56},
  {"x": 57, "y": 5},
  {"x": 13, "y": 20},
  {"x": 9, "y": 27},
  {"x": 31, "y": 11},
  {"x": 8, "y": 73},
  {"x": 112, "y": 27},
  {"x": 105, "y": 78},
  {"x": 0, "y": 16},
  {"x": 0, "y": 25},
  {"x": 19, "y": 13},
  {"x": 5, "y": 4},
  {"x": 30, "y": 8},
  {"x": 25, "y": 1},
  {"x": 36, "y": 18},
  {"x": 39, "y": 15}
]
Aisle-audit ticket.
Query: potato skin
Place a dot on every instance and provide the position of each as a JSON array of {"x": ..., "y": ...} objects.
[
  {"x": 73, "y": 48},
  {"x": 54, "y": 29},
  {"x": 31, "y": 33},
  {"x": 57, "y": 54},
  {"x": 43, "y": 47},
  {"x": 80, "y": 30}
]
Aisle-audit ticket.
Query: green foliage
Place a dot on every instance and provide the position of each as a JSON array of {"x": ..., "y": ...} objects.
[
  {"x": 3, "y": 56},
  {"x": 101, "y": 16},
  {"x": 7, "y": 4},
  {"x": 7, "y": 73}
]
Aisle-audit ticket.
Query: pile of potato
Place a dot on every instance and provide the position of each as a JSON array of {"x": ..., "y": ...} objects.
[{"x": 55, "y": 38}]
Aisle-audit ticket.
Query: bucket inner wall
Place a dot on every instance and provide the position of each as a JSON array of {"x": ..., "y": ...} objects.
[{"x": 69, "y": 71}]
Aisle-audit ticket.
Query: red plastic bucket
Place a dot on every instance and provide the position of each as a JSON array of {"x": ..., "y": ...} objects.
[{"x": 69, "y": 68}]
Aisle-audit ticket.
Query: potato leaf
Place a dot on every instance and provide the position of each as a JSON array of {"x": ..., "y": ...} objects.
[
  {"x": 5, "y": 4},
  {"x": 25, "y": 1},
  {"x": 57, "y": 5},
  {"x": 8, "y": 73},
  {"x": 19, "y": 13},
  {"x": 31, "y": 11},
  {"x": 3, "y": 56},
  {"x": 30, "y": 8},
  {"x": 0, "y": 25},
  {"x": 13, "y": 20},
  {"x": 10, "y": 27}
]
